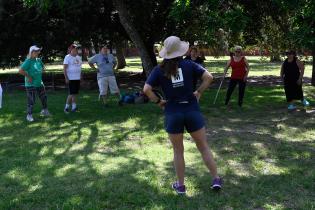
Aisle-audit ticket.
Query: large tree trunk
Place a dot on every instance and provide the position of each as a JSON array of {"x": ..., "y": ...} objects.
[
  {"x": 121, "y": 62},
  {"x": 125, "y": 20},
  {"x": 150, "y": 49},
  {"x": 275, "y": 57},
  {"x": 313, "y": 68}
]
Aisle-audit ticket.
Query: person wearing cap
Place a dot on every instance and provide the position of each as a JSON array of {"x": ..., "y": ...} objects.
[
  {"x": 32, "y": 69},
  {"x": 292, "y": 71},
  {"x": 175, "y": 76},
  {"x": 106, "y": 63},
  {"x": 240, "y": 70},
  {"x": 72, "y": 71}
]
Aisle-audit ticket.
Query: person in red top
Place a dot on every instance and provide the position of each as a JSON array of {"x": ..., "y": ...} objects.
[{"x": 240, "y": 69}]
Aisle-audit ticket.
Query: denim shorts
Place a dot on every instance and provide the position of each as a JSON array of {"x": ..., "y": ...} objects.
[{"x": 175, "y": 123}]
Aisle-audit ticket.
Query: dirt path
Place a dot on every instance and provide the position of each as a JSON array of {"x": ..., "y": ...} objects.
[
  {"x": 132, "y": 80},
  {"x": 128, "y": 81}
]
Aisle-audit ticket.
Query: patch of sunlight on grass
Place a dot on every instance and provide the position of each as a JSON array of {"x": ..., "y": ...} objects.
[
  {"x": 228, "y": 128},
  {"x": 35, "y": 187},
  {"x": 84, "y": 134},
  {"x": 261, "y": 149},
  {"x": 303, "y": 155},
  {"x": 266, "y": 168},
  {"x": 86, "y": 96},
  {"x": 45, "y": 161},
  {"x": 6, "y": 138},
  {"x": 44, "y": 151},
  {"x": 274, "y": 206},
  {"x": 238, "y": 168},
  {"x": 98, "y": 157},
  {"x": 17, "y": 175},
  {"x": 60, "y": 172},
  {"x": 131, "y": 122},
  {"x": 78, "y": 146},
  {"x": 294, "y": 134},
  {"x": 157, "y": 207},
  {"x": 74, "y": 200}
]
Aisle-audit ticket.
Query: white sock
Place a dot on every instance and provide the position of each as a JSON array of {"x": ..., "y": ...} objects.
[
  {"x": 67, "y": 106},
  {"x": 74, "y": 105}
]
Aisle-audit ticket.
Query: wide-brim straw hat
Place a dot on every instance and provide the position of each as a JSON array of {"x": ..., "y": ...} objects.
[{"x": 173, "y": 47}]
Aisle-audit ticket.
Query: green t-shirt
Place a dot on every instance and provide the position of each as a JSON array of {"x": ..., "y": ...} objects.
[{"x": 34, "y": 68}]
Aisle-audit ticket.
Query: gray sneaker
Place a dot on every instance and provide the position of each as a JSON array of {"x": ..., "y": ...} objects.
[
  {"x": 29, "y": 118},
  {"x": 45, "y": 113}
]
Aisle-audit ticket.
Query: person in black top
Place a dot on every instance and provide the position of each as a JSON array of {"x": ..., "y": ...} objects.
[
  {"x": 193, "y": 55},
  {"x": 292, "y": 71}
]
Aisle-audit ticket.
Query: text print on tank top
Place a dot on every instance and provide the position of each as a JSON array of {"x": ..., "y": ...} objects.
[{"x": 178, "y": 79}]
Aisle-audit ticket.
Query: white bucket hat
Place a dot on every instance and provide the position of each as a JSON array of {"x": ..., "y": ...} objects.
[{"x": 173, "y": 48}]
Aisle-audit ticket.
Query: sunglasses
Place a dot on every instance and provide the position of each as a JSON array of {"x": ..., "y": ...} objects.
[
  {"x": 238, "y": 51},
  {"x": 106, "y": 60}
]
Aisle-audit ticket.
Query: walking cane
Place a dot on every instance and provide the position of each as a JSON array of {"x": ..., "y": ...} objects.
[{"x": 216, "y": 96}]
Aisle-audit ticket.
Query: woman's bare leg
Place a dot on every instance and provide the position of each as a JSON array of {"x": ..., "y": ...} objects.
[
  {"x": 200, "y": 139},
  {"x": 179, "y": 161}
]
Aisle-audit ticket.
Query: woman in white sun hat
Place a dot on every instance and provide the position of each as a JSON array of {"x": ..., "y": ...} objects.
[{"x": 175, "y": 76}]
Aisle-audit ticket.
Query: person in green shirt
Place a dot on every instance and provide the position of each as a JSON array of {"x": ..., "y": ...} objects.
[{"x": 32, "y": 69}]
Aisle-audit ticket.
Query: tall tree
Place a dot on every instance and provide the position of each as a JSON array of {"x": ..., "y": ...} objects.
[
  {"x": 54, "y": 25},
  {"x": 125, "y": 18},
  {"x": 303, "y": 27},
  {"x": 146, "y": 23}
]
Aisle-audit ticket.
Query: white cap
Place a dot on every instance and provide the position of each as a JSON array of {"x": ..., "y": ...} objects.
[
  {"x": 34, "y": 48},
  {"x": 237, "y": 47},
  {"x": 173, "y": 48}
]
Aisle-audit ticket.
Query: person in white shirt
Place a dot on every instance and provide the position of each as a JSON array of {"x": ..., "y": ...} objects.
[
  {"x": 72, "y": 72},
  {"x": 0, "y": 96}
]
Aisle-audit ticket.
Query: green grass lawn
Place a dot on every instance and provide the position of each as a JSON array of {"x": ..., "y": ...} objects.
[
  {"x": 120, "y": 157},
  {"x": 259, "y": 66}
]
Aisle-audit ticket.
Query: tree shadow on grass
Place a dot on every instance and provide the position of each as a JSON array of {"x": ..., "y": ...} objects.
[
  {"x": 82, "y": 160},
  {"x": 52, "y": 162}
]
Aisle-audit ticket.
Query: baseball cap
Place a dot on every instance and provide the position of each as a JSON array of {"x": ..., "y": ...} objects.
[{"x": 34, "y": 48}]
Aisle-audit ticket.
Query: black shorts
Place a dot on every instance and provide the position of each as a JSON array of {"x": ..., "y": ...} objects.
[{"x": 74, "y": 87}]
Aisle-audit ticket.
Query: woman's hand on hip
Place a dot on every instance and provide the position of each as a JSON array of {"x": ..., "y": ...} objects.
[
  {"x": 197, "y": 94},
  {"x": 162, "y": 104},
  {"x": 30, "y": 79}
]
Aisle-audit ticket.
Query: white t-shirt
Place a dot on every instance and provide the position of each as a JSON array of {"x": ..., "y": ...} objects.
[{"x": 74, "y": 66}]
